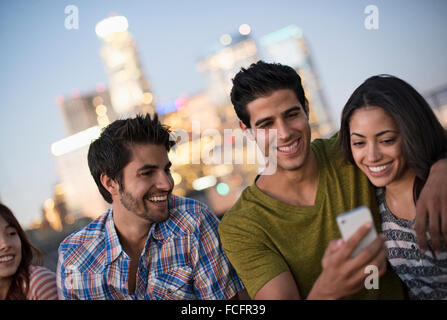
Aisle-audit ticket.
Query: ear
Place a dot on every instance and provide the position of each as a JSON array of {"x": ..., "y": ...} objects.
[
  {"x": 110, "y": 185},
  {"x": 306, "y": 107},
  {"x": 248, "y": 132}
]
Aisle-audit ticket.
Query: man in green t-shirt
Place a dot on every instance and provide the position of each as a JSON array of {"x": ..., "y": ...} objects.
[{"x": 281, "y": 235}]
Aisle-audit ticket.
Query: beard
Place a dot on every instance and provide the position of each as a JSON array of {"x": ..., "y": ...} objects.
[
  {"x": 132, "y": 204},
  {"x": 140, "y": 208}
]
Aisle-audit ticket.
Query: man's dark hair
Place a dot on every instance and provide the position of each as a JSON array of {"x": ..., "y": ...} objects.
[
  {"x": 260, "y": 80},
  {"x": 111, "y": 152}
]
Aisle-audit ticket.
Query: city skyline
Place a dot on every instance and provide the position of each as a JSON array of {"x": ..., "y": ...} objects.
[{"x": 41, "y": 59}]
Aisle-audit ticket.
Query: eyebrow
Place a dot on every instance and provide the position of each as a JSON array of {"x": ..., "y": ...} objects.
[
  {"x": 10, "y": 226},
  {"x": 153, "y": 166},
  {"x": 381, "y": 133},
  {"x": 294, "y": 108}
]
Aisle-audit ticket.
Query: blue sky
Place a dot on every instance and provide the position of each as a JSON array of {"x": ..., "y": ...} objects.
[{"x": 40, "y": 59}]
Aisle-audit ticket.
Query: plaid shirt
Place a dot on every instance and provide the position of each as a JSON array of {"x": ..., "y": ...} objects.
[{"x": 182, "y": 259}]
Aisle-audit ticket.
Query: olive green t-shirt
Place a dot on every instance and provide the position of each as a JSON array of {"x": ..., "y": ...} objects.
[{"x": 264, "y": 237}]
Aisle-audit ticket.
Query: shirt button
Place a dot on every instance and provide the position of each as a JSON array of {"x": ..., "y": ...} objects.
[{"x": 170, "y": 291}]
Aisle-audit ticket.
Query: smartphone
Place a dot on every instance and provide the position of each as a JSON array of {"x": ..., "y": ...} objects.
[{"x": 350, "y": 221}]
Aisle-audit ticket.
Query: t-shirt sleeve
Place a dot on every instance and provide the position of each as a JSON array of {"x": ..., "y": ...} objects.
[
  {"x": 42, "y": 284},
  {"x": 254, "y": 260},
  {"x": 215, "y": 277}
]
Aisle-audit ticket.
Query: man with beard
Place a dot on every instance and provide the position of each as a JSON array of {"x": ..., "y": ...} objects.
[{"x": 150, "y": 244}]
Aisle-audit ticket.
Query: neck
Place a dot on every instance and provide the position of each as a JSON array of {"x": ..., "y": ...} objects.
[
  {"x": 5, "y": 283},
  {"x": 296, "y": 187},
  {"x": 132, "y": 230},
  {"x": 399, "y": 196},
  {"x": 402, "y": 186}
]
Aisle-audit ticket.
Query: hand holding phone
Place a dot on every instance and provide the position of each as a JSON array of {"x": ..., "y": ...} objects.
[
  {"x": 342, "y": 274},
  {"x": 349, "y": 222}
]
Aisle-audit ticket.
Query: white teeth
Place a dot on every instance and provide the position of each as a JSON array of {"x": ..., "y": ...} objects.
[
  {"x": 289, "y": 148},
  {"x": 378, "y": 169},
  {"x": 160, "y": 198},
  {"x": 6, "y": 258}
]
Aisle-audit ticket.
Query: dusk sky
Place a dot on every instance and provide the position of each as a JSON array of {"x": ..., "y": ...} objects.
[{"x": 41, "y": 59}]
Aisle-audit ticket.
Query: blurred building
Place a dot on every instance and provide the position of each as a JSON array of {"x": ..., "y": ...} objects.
[
  {"x": 81, "y": 112},
  {"x": 129, "y": 89},
  {"x": 207, "y": 119},
  {"x": 288, "y": 46},
  {"x": 437, "y": 99},
  {"x": 223, "y": 61},
  {"x": 199, "y": 169},
  {"x": 84, "y": 116},
  {"x": 81, "y": 194},
  {"x": 211, "y": 114}
]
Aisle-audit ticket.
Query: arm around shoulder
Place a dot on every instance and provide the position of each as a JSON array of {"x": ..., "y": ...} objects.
[{"x": 432, "y": 206}]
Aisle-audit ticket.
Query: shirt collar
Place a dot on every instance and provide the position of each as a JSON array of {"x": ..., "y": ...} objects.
[
  {"x": 113, "y": 245},
  {"x": 165, "y": 229}
]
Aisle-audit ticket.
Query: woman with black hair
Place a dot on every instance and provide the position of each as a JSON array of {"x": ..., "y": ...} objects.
[
  {"x": 19, "y": 279},
  {"x": 390, "y": 132}
]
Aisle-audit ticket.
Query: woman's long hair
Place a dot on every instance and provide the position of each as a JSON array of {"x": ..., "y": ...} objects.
[
  {"x": 424, "y": 141},
  {"x": 20, "y": 280}
]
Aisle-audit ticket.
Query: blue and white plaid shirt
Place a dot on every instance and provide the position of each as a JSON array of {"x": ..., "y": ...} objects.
[{"x": 182, "y": 259}]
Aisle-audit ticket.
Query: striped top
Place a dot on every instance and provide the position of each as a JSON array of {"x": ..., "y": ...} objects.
[
  {"x": 42, "y": 284},
  {"x": 182, "y": 259},
  {"x": 424, "y": 275}
]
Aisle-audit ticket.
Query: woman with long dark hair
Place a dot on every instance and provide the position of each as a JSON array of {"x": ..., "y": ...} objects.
[
  {"x": 390, "y": 132},
  {"x": 19, "y": 278}
]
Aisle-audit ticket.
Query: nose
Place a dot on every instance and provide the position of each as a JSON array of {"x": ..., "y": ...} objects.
[
  {"x": 164, "y": 181},
  {"x": 4, "y": 243},
  {"x": 283, "y": 131},
  {"x": 373, "y": 153}
]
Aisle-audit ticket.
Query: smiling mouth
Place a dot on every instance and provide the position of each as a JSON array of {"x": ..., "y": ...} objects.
[
  {"x": 379, "y": 170},
  {"x": 293, "y": 147},
  {"x": 160, "y": 198},
  {"x": 6, "y": 258}
]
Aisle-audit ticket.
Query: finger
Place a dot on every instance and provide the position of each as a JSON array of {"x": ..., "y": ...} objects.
[
  {"x": 354, "y": 241},
  {"x": 434, "y": 223},
  {"x": 420, "y": 225},
  {"x": 357, "y": 281},
  {"x": 367, "y": 255},
  {"x": 334, "y": 246}
]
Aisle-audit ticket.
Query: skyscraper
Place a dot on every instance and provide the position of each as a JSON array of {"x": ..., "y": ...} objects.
[
  {"x": 223, "y": 61},
  {"x": 129, "y": 90},
  {"x": 81, "y": 112},
  {"x": 288, "y": 46}
]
